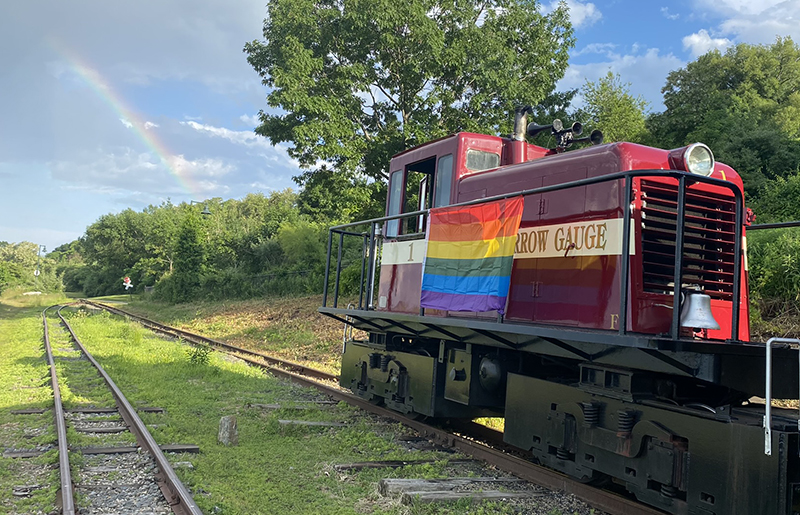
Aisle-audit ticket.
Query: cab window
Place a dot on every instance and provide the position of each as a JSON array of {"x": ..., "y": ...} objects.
[
  {"x": 478, "y": 160},
  {"x": 395, "y": 200},
  {"x": 444, "y": 181}
]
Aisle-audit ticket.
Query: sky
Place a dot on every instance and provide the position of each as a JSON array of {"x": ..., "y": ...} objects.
[{"x": 108, "y": 105}]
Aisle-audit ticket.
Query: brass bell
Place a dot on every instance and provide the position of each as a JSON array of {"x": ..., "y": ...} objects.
[{"x": 696, "y": 311}]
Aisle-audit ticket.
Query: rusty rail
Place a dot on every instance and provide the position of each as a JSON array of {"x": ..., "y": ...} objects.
[
  {"x": 67, "y": 492},
  {"x": 174, "y": 491},
  {"x": 601, "y": 499}
]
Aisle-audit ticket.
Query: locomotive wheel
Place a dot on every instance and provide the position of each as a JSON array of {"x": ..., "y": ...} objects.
[
  {"x": 376, "y": 401},
  {"x": 598, "y": 479}
]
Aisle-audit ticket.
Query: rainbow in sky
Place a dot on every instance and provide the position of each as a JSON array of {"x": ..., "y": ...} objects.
[{"x": 141, "y": 128}]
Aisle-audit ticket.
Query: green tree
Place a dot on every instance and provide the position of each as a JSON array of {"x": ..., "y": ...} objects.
[
  {"x": 333, "y": 197},
  {"x": 610, "y": 107},
  {"x": 744, "y": 104},
  {"x": 190, "y": 258},
  {"x": 25, "y": 254},
  {"x": 352, "y": 82}
]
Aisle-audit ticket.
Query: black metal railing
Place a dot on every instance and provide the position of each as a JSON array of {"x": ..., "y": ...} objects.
[{"x": 369, "y": 256}]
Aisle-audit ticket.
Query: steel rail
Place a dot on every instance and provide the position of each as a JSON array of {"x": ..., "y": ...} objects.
[
  {"x": 67, "y": 492},
  {"x": 196, "y": 338},
  {"x": 601, "y": 499},
  {"x": 176, "y": 494}
]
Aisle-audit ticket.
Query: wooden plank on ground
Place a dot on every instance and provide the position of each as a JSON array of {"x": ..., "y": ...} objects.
[
  {"x": 392, "y": 464},
  {"x": 22, "y": 454},
  {"x": 122, "y": 450},
  {"x": 450, "y": 496},
  {"x": 107, "y": 450},
  {"x": 110, "y": 429},
  {"x": 180, "y": 447},
  {"x": 293, "y": 405},
  {"x": 149, "y": 409},
  {"x": 31, "y": 411},
  {"x": 391, "y": 486},
  {"x": 310, "y": 423},
  {"x": 92, "y": 410}
]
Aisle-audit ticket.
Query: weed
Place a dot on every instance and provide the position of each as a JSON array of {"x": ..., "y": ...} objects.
[{"x": 199, "y": 355}]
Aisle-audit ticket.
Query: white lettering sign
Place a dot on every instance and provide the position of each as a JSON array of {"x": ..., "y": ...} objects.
[{"x": 590, "y": 238}]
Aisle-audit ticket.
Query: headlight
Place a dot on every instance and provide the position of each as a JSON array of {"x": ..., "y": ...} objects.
[
  {"x": 699, "y": 159},
  {"x": 695, "y": 158}
]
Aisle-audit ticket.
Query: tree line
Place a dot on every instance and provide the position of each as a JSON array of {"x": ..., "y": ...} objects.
[{"x": 352, "y": 82}]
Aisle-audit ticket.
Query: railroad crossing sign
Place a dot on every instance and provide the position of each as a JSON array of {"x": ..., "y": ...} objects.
[{"x": 127, "y": 283}]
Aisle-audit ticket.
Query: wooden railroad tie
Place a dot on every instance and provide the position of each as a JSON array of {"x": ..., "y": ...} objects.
[
  {"x": 294, "y": 405},
  {"x": 32, "y": 411},
  {"x": 310, "y": 423},
  {"x": 444, "y": 490},
  {"x": 392, "y": 464}
]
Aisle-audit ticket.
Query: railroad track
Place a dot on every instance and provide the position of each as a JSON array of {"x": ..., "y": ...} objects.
[
  {"x": 138, "y": 472},
  {"x": 470, "y": 438}
]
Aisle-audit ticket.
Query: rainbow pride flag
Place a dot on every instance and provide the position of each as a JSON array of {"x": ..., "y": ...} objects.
[{"x": 470, "y": 254}]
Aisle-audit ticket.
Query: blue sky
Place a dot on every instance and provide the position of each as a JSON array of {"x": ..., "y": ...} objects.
[{"x": 109, "y": 105}]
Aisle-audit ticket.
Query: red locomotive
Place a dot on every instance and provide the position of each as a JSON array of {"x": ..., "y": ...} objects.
[{"x": 602, "y": 366}]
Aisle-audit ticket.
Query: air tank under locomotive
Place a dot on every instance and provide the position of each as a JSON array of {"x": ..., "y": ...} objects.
[{"x": 603, "y": 368}]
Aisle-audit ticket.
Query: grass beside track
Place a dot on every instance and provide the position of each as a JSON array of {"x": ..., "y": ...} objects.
[
  {"x": 285, "y": 327},
  {"x": 25, "y": 384},
  {"x": 273, "y": 469}
]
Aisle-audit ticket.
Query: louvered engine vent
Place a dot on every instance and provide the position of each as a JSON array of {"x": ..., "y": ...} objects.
[{"x": 708, "y": 242}]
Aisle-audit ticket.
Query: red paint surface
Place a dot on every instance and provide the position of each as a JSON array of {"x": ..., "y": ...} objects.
[{"x": 580, "y": 291}]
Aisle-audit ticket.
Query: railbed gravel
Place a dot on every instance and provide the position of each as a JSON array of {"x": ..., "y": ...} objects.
[{"x": 121, "y": 484}]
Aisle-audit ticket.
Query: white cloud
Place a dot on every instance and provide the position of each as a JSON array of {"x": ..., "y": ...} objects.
[
  {"x": 260, "y": 186},
  {"x": 732, "y": 8},
  {"x": 665, "y": 12},
  {"x": 150, "y": 125},
  {"x": 646, "y": 72},
  {"x": 754, "y": 22},
  {"x": 200, "y": 167},
  {"x": 596, "y": 48},
  {"x": 124, "y": 171},
  {"x": 246, "y": 138},
  {"x": 701, "y": 42},
  {"x": 252, "y": 120},
  {"x": 580, "y": 14},
  {"x": 126, "y": 123}
]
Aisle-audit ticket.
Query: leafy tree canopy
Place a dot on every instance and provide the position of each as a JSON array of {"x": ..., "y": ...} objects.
[
  {"x": 610, "y": 107},
  {"x": 744, "y": 104},
  {"x": 352, "y": 82}
]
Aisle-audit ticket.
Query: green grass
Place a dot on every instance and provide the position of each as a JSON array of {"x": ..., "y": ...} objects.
[
  {"x": 275, "y": 468},
  {"x": 24, "y": 384},
  {"x": 286, "y": 327}
]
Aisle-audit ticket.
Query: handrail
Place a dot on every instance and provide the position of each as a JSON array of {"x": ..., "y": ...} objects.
[
  {"x": 675, "y": 174},
  {"x": 768, "y": 400},
  {"x": 774, "y": 225},
  {"x": 683, "y": 178}
]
